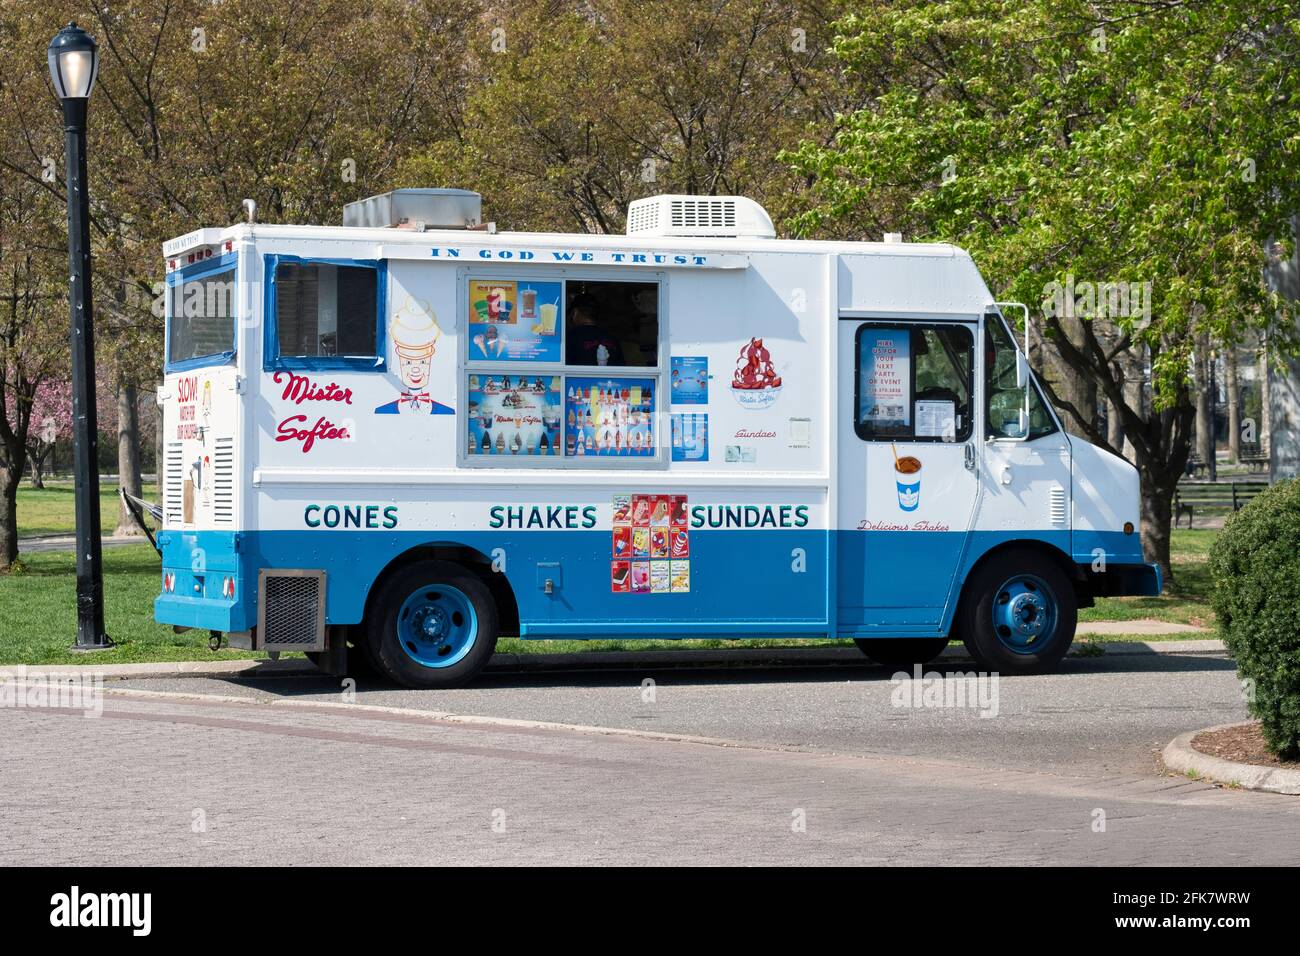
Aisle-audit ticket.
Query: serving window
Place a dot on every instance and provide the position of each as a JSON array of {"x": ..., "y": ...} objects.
[
  {"x": 201, "y": 315},
  {"x": 324, "y": 314},
  {"x": 566, "y": 369}
]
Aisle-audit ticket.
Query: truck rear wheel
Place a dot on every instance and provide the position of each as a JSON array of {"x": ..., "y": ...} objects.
[
  {"x": 1018, "y": 613},
  {"x": 901, "y": 651},
  {"x": 432, "y": 624}
]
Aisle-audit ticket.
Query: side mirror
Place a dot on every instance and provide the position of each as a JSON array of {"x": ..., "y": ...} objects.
[{"x": 1022, "y": 369}]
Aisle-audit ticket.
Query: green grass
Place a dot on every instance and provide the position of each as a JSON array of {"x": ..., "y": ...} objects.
[
  {"x": 38, "y": 612},
  {"x": 50, "y": 510},
  {"x": 38, "y": 618},
  {"x": 1185, "y": 601}
]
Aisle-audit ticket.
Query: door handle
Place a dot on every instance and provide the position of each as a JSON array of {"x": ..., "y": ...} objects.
[{"x": 969, "y": 456}]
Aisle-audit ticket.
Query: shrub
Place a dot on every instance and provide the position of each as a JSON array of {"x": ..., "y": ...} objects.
[{"x": 1255, "y": 564}]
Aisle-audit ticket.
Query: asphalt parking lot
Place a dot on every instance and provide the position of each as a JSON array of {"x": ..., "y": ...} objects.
[{"x": 726, "y": 765}]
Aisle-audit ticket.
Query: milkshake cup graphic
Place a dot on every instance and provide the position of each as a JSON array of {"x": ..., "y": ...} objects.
[
  {"x": 549, "y": 311},
  {"x": 907, "y": 476}
]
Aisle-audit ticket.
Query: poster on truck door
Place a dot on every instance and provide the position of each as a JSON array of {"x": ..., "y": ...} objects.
[{"x": 885, "y": 387}]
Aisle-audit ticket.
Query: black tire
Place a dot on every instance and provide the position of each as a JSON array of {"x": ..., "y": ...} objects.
[
  {"x": 901, "y": 651},
  {"x": 990, "y": 586},
  {"x": 436, "y": 578}
]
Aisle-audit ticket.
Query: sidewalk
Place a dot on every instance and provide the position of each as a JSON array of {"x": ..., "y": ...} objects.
[{"x": 68, "y": 542}]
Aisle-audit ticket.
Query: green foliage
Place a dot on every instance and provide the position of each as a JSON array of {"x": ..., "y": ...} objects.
[
  {"x": 1113, "y": 141},
  {"x": 1256, "y": 567}
]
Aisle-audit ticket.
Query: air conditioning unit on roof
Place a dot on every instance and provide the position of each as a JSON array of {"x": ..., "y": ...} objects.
[{"x": 700, "y": 216}]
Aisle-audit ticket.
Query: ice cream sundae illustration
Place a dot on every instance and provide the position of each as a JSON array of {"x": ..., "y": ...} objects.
[
  {"x": 414, "y": 332},
  {"x": 755, "y": 383}
]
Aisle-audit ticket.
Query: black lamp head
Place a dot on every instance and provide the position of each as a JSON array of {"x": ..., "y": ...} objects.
[{"x": 74, "y": 63}]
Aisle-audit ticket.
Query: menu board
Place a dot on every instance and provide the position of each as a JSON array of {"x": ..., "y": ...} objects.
[
  {"x": 885, "y": 388},
  {"x": 609, "y": 417},
  {"x": 651, "y": 550},
  {"x": 515, "y": 321},
  {"x": 514, "y": 415}
]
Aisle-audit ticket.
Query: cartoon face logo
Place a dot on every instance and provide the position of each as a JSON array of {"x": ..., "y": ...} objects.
[{"x": 414, "y": 333}]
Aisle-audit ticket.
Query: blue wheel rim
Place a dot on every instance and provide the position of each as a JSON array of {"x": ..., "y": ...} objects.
[
  {"x": 1025, "y": 614},
  {"x": 437, "y": 625}
]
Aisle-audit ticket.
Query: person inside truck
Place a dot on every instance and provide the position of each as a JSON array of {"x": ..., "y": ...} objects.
[{"x": 590, "y": 342}]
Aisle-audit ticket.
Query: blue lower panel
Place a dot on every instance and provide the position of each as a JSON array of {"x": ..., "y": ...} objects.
[{"x": 743, "y": 583}]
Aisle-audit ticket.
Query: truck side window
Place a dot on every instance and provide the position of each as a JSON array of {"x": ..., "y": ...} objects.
[
  {"x": 611, "y": 323},
  {"x": 201, "y": 317},
  {"x": 1004, "y": 399},
  {"x": 913, "y": 382},
  {"x": 324, "y": 310}
]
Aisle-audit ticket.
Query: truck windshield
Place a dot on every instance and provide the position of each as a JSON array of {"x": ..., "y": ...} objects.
[
  {"x": 201, "y": 317},
  {"x": 1004, "y": 398}
]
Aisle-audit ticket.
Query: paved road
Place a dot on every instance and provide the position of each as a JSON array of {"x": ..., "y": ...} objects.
[{"x": 315, "y": 781}]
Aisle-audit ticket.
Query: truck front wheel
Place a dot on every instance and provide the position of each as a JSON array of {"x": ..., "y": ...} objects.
[
  {"x": 432, "y": 624},
  {"x": 1018, "y": 613}
]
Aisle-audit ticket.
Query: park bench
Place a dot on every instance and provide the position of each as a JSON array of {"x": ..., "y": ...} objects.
[{"x": 1214, "y": 495}]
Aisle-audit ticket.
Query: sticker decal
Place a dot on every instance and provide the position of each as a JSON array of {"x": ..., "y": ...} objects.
[
  {"x": 690, "y": 437},
  {"x": 690, "y": 380},
  {"x": 755, "y": 384},
  {"x": 650, "y": 547}
]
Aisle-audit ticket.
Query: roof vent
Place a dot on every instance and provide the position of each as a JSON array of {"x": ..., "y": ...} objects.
[
  {"x": 732, "y": 216},
  {"x": 417, "y": 209}
]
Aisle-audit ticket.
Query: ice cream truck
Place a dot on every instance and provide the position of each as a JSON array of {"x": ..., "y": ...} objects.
[{"x": 389, "y": 442}]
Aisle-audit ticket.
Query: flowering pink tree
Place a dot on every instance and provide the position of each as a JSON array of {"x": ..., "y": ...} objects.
[{"x": 51, "y": 420}]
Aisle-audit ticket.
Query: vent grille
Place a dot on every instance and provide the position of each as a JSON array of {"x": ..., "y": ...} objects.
[
  {"x": 1056, "y": 505},
  {"x": 173, "y": 484},
  {"x": 703, "y": 213},
  {"x": 643, "y": 217},
  {"x": 223, "y": 481},
  {"x": 291, "y": 610}
]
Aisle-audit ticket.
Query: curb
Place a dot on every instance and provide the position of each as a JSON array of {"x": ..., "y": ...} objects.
[
  {"x": 809, "y": 657},
  {"x": 1181, "y": 757}
]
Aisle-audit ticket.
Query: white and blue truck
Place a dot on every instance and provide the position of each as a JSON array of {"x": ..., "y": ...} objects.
[{"x": 391, "y": 441}]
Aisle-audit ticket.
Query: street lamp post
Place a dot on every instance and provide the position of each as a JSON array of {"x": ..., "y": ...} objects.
[{"x": 74, "y": 62}]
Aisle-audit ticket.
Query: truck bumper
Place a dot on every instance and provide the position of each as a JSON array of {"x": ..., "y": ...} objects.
[
  {"x": 204, "y": 585},
  {"x": 1125, "y": 580}
]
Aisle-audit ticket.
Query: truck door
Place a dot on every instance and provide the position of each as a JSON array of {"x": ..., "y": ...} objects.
[{"x": 908, "y": 471}]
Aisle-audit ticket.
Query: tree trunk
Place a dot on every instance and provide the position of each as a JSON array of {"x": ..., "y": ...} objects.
[
  {"x": 128, "y": 454},
  {"x": 1265, "y": 397},
  {"x": 1204, "y": 407},
  {"x": 1074, "y": 386},
  {"x": 1157, "y": 517},
  {"x": 38, "y": 468},
  {"x": 1234, "y": 404},
  {"x": 1114, "y": 428},
  {"x": 10, "y": 477}
]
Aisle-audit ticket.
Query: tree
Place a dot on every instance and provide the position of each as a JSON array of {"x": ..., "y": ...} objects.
[
  {"x": 51, "y": 419},
  {"x": 583, "y": 107},
  {"x": 1093, "y": 147}
]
